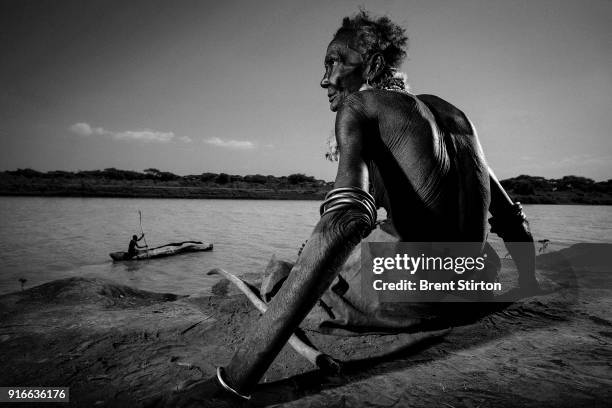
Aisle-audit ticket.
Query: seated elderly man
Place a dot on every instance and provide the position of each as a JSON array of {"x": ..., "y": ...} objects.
[{"x": 417, "y": 156}]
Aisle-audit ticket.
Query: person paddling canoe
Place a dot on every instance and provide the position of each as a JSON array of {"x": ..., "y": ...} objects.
[
  {"x": 132, "y": 251},
  {"x": 417, "y": 156}
]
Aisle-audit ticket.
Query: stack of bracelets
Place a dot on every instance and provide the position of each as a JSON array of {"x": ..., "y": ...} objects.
[
  {"x": 500, "y": 225},
  {"x": 346, "y": 197}
]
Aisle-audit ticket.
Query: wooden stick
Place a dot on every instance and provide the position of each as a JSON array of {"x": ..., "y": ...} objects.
[
  {"x": 320, "y": 360},
  {"x": 142, "y": 231}
]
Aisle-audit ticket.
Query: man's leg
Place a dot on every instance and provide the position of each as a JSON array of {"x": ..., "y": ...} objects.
[{"x": 326, "y": 251}]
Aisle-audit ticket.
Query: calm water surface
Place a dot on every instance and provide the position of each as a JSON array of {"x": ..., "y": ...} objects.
[{"x": 47, "y": 238}]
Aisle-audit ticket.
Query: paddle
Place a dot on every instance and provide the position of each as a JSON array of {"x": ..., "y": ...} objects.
[{"x": 142, "y": 232}]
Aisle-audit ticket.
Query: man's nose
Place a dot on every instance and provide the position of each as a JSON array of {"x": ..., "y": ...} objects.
[{"x": 325, "y": 81}]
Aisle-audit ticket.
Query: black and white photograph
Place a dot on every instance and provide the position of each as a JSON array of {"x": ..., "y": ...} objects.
[{"x": 289, "y": 203}]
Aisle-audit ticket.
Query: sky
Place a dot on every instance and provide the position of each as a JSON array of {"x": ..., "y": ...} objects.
[{"x": 233, "y": 86}]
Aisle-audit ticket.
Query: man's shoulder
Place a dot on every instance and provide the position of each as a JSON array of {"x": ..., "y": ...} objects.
[
  {"x": 370, "y": 102},
  {"x": 382, "y": 96},
  {"x": 448, "y": 115}
]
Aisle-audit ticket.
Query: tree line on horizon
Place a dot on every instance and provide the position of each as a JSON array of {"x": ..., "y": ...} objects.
[
  {"x": 165, "y": 176},
  {"x": 567, "y": 189},
  {"x": 524, "y": 188}
]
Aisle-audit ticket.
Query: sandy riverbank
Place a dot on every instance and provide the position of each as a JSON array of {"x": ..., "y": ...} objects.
[{"x": 118, "y": 346}]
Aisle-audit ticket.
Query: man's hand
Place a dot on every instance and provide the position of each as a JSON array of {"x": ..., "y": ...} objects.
[{"x": 519, "y": 242}]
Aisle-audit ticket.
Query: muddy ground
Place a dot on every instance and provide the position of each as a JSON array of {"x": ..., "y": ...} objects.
[{"x": 117, "y": 346}]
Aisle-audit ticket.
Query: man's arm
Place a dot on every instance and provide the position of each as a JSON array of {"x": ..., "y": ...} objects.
[
  {"x": 330, "y": 244},
  {"x": 141, "y": 237},
  {"x": 509, "y": 223}
]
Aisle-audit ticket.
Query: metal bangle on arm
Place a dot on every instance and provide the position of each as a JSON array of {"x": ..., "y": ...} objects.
[
  {"x": 516, "y": 217},
  {"x": 345, "y": 197},
  {"x": 508, "y": 220}
]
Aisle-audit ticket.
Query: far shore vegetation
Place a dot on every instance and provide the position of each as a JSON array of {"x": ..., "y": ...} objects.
[{"x": 154, "y": 183}]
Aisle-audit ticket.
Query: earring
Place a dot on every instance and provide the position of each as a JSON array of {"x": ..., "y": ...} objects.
[{"x": 366, "y": 85}]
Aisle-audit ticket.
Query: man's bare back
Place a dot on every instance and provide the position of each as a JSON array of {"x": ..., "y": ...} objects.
[{"x": 424, "y": 160}]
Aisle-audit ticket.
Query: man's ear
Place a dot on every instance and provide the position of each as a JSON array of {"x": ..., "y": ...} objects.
[{"x": 375, "y": 67}]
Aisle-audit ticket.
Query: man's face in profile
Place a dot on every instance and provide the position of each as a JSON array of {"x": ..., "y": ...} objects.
[{"x": 344, "y": 68}]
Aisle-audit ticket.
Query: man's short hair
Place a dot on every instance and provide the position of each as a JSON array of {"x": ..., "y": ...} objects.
[{"x": 378, "y": 35}]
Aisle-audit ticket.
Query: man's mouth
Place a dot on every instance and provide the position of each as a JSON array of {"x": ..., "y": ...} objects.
[{"x": 332, "y": 97}]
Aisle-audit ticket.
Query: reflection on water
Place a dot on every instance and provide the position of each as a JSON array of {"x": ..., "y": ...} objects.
[{"x": 43, "y": 238}]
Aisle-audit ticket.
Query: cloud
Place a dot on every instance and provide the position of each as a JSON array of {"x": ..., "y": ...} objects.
[
  {"x": 230, "y": 144},
  {"x": 144, "y": 135},
  {"x": 83, "y": 129}
]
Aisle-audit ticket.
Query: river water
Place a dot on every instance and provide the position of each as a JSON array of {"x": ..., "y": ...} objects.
[{"x": 48, "y": 238}]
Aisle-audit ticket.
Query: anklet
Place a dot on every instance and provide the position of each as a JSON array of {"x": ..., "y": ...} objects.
[{"x": 228, "y": 388}]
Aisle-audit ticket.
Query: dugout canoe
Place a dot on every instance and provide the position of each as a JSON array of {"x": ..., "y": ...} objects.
[{"x": 171, "y": 249}]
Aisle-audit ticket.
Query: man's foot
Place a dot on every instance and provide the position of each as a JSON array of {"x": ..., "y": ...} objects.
[{"x": 202, "y": 393}]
